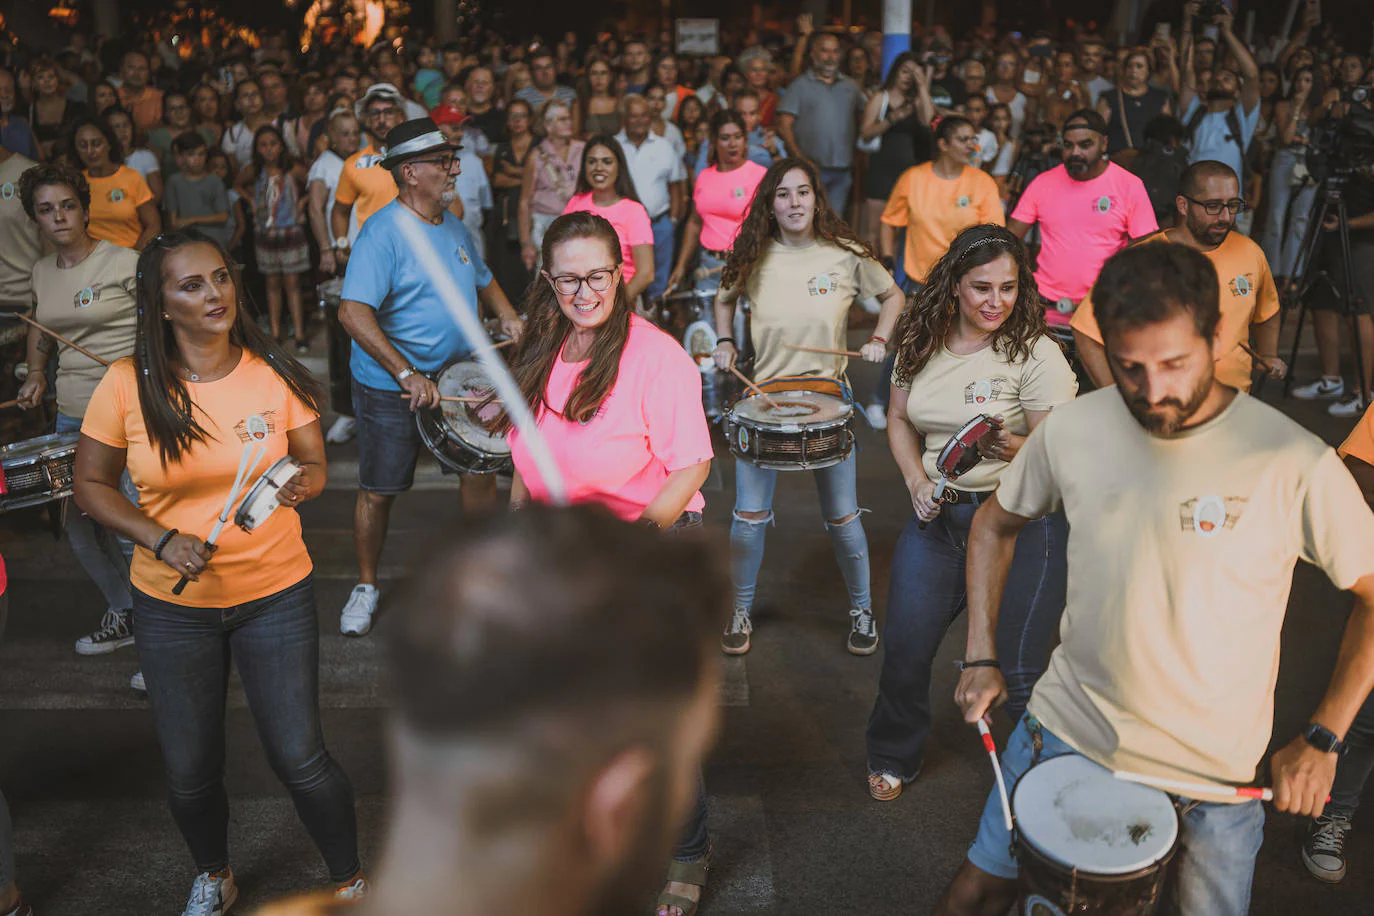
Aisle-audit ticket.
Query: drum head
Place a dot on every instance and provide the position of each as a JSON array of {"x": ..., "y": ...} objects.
[
  {"x": 464, "y": 421},
  {"x": 52, "y": 444},
  {"x": 1077, "y": 814},
  {"x": 797, "y": 407},
  {"x": 700, "y": 340}
]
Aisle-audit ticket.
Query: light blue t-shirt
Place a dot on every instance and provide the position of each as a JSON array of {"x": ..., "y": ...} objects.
[
  {"x": 1213, "y": 138},
  {"x": 384, "y": 273}
]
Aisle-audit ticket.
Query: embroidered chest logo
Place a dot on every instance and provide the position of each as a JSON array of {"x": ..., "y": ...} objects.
[
  {"x": 1242, "y": 285},
  {"x": 963, "y": 201},
  {"x": 256, "y": 428},
  {"x": 463, "y": 255},
  {"x": 1208, "y": 516},
  {"x": 87, "y": 296},
  {"x": 1103, "y": 205},
  {"x": 368, "y": 160},
  {"x": 739, "y": 193},
  {"x": 984, "y": 390},
  {"x": 116, "y": 195},
  {"x": 7, "y": 191},
  {"x": 822, "y": 284}
]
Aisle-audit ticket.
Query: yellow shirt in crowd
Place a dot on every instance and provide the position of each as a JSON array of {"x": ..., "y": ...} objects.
[
  {"x": 934, "y": 210},
  {"x": 115, "y": 200},
  {"x": 364, "y": 185}
]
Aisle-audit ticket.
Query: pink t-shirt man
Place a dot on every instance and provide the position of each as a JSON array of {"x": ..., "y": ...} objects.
[
  {"x": 650, "y": 425},
  {"x": 1082, "y": 224},
  {"x": 722, "y": 199},
  {"x": 630, "y": 221}
]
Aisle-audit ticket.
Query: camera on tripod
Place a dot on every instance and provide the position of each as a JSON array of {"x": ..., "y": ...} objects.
[
  {"x": 1344, "y": 147},
  {"x": 1209, "y": 10}
]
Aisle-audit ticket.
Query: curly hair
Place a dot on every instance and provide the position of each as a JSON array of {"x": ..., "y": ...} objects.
[
  {"x": 44, "y": 176},
  {"x": 760, "y": 225},
  {"x": 931, "y": 313}
]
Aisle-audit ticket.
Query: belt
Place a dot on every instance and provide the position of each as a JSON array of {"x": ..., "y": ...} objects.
[
  {"x": 963, "y": 497},
  {"x": 1064, "y": 306},
  {"x": 719, "y": 255},
  {"x": 654, "y": 219}
]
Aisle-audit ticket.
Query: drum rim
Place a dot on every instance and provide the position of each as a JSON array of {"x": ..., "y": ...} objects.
[
  {"x": 65, "y": 442},
  {"x": 796, "y": 425},
  {"x": 241, "y": 513},
  {"x": 442, "y": 432},
  {"x": 1135, "y": 870}
]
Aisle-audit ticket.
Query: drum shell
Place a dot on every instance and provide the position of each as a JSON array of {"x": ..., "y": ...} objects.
[
  {"x": 792, "y": 446},
  {"x": 450, "y": 449},
  {"x": 42, "y": 477}
]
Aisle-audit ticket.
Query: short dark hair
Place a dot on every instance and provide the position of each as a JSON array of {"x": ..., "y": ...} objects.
[
  {"x": 1190, "y": 185},
  {"x": 1149, "y": 283},
  {"x": 43, "y": 176},
  {"x": 188, "y": 141}
]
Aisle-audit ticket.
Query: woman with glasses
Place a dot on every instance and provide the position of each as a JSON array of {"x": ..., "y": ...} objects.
[{"x": 618, "y": 403}]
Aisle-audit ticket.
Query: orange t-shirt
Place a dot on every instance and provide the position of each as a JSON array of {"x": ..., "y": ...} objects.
[
  {"x": 1360, "y": 443},
  {"x": 1248, "y": 296},
  {"x": 188, "y": 495},
  {"x": 146, "y": 110},
  {"x": 365, "y": 185},
  {"x": 934, "y": 210},
  {"x": 115, "y": 200},
  {"x": 311, "y": 905}
]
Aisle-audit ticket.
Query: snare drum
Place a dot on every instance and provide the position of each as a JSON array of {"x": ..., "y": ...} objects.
[
  {"x": 261, "y": 500},
  {"x": 37, "y": 471},
  {"x": 806, "y": 431},
  {"x": 456, "y": 432},
  {"x": 1087, "y": 843}
]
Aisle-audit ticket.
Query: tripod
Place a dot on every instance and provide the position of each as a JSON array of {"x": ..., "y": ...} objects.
[{"x": 1331, "y": 202}]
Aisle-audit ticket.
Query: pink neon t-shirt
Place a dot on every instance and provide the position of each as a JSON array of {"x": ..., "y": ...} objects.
[
  {"x": 1082, "y": 224},
  {"x": 650, "y": 425},
  {"x": 631, "y": 223},
  {"x": 722, "y": 199}
]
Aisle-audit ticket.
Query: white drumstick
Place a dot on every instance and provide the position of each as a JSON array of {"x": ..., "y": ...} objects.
[
  {"x": 255, "y": 446},
  {"x": 1194, "y": 789},
  {"x": 997, "y": 769}
]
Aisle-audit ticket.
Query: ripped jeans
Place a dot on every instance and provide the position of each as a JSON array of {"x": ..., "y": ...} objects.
[{"x": 837, "y": 488}]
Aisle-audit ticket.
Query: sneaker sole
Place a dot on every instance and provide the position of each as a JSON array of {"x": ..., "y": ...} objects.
[
  {"x": 1321, "y": 874},
  {"x": 102, "y": 648},
  {"x": 1319, "y": 397},
  {"x": 868, "y": 651},
  {"x": 229, "y": 901},
  {"x": 885, "y": 794},
  {"x": 743, "y": 650},
  {"x": 363, "y": 632}
]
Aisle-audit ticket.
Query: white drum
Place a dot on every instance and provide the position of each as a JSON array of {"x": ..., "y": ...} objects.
[{"x": 261, "y": 500}]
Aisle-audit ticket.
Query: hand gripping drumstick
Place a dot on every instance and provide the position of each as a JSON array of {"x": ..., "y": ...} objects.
[
  {"x": 1262, "y": 361},
  {"x": 754, "y": 388},
  {"x": 255, "y": 446},
  {"x": 60, "y": 339},
  {"x": 997, "y": 769},
  {"x": 1198, "y": 788}
]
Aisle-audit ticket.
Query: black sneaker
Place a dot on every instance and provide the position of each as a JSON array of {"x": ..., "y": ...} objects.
[
  {"x": 1324, "y": 851},
  {"x": 115, "y": 632},
  {"x": 863, "y": 632},
  {"x": 735, "y": 640}
]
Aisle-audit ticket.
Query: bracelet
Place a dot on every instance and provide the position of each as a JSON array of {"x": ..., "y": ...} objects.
[
  {"x": 729, "y": 340},
  {"x": 876, "y": 339},
  {"x": 162, "y": 542},
  {"x": 980, "y": 663}
]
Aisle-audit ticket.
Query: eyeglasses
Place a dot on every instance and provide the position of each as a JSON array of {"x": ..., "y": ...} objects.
[
  {"x": 1213, "y": 207},
  {"x": 443, "y": 162},
  {"x": 598, "y": 281}
]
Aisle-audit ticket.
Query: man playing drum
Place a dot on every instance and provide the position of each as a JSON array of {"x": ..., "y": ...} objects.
[
  {"x": 402, "y": 330},
  {"x": 1189, "y": 504}
]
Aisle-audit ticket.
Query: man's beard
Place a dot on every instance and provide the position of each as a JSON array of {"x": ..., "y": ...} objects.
[
  {"x": 1220, "y": 95},
  {"x": 1212, "y": 235},
  {"x": 1166, "y": 418},
  {"x": 1076, "y": 166},
  {"x": 627, "y": 890},
  {"x": 448, "y": 196}
]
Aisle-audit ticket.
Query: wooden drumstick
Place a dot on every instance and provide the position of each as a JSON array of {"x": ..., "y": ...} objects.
[
  {"x": 454, "y": 399},
  {"x": 7, "y": 404},
  {"x": 754, "y": 388},
  {"x": 60, "y": 339},
  {"x": 1263, "y": 361},
  {"x": 827, "y": 352}
]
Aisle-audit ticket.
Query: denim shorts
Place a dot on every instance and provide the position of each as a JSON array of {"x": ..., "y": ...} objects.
[{"x": 388, "y": 440}]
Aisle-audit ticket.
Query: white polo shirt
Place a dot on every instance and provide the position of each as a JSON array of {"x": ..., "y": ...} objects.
[{"x": 654, "y": 164}]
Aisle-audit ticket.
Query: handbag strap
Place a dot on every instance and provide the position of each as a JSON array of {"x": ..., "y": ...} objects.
[{"x": 1121, "y": 113}]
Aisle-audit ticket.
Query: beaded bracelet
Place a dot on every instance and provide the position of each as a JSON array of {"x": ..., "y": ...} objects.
[{"x": 162, "y": 542}]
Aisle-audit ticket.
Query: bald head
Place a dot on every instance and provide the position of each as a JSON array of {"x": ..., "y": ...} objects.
[{"x": 637, "y": 118}]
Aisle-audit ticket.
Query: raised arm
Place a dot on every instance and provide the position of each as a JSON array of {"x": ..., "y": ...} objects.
[{"x": 1249, "y": 70}]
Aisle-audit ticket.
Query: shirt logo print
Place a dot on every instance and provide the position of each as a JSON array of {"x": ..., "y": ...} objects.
[
  {"x": 1104, "y": 204},
  {"x": 269, "y": 418},
  {"x": 963, "y": 201},
  {"x": 1207, "y": 516},
  {"x": 463, "y": 255},
  {"x": 984, "y": 390},
  {"x": 7, "y": 191},
  {"x": 1241, "y": 285},
  {"x": 739, "y": 193},
  {"x": 821, "y": 284},
  {"x": 116, "y": 195},
  {"x": 87, "y": 296},
  {"x": 368, "y": 160}
]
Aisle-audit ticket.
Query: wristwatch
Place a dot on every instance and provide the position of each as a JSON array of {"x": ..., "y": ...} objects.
[
  {"x": 1323, "y": 739},
  {"x": 342, "y": 243},
  {"x": 406, "y": 373}
]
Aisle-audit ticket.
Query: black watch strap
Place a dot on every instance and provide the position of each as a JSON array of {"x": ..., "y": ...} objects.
[{"x": 1323, "y": 739}]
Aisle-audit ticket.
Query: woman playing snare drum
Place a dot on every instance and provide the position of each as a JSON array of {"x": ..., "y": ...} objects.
[
  {"x": 973, "y": 342},
  {"x": 802, "y": 268},
  {"x": 206, "y": 386}
]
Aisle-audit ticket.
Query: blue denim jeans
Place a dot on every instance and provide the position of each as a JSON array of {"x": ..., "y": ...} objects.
[
  {"x": 1289, "y": 212},
  {"x": 1217, "y": 844},
  {"x": 837, "y": 489},
  {"x": 185, "y": 653},
  {"x": 104, "y": 555},
  {"x": 663, "y": 255},
  {"x": 927, "y": 593},
  {"x": 837, "y": 183},
  {"x": 1355, "y": 765}
]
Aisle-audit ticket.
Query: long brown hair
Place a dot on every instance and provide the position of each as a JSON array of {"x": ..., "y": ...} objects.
[
  {"x": 547, "y": 328},
  {"x": 932, "y": 312},
  {"x": 168, "y": 413},
  {"x": 760, "y": 225}
]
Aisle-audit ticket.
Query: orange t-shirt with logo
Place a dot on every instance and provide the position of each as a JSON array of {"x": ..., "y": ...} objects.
[
  {"x": 1360, "y": 443},
  {"x": 364, "y": 185},
  {"x": 115, "y": 200},
  {"x": 1248, "y": 296},
  {"x": 934, "y": 210},
  {"x": 189, "y": 494}
]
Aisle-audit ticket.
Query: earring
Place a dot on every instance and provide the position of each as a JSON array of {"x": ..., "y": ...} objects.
[{"x": 166, "y": 317}]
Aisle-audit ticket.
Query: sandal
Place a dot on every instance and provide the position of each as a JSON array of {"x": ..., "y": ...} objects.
[
  {"x": 884, "y": 786},
  {"x": 693, "y": 873}
]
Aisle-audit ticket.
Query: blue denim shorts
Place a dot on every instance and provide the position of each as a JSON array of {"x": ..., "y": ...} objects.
[{"x": 388, "y": 440}]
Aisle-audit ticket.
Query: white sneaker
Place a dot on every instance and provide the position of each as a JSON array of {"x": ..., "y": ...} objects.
[
  {"x": 341, "y": 431},
  {"x": 877, "y": 416},
  {"x": 115, "y": 632},
  {"x": 137, "y": 684},
  {"x": 211, "y": 895},
  {"x": 1324, "y": 388},
  {"x": 1352, "y": 407},
  {"x": 357, "y": 613},
  {"x": 355, "y": 891}
]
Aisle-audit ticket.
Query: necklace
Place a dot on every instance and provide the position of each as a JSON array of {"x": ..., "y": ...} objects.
[
  {"x": 210, "y": 375},
  {"x": 432, "y": 222}
]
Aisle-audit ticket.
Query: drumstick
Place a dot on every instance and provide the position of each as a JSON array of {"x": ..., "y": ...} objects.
[
  {"x": 1262, "y": 360},
  {"x": 1198, "y": 788},
  {"x": 997, "y": 770},
  {"x": 827, "y": 352},
  {"x": 60, "y": 339},
  {"x": 6, "y": 404},
  {"x": 257, "y": 449},
  {"x": 754, "y": 388},
  {"x": 455, "y": 399}
]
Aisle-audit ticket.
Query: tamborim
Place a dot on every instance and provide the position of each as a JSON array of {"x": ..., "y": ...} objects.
[
  {"x": 808, "y": 429},
  {"x": 455, "y": 432},
  {"x": 1087, "y": 843},
  {"x": 261, "y": 500},
  {"x": 37, "y": 471}
]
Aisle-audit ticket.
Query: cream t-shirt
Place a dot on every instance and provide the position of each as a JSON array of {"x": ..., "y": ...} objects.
[
  {"x": 1181, "y": 555},
  {"x": 91, "y": 304},
  {"x": 950, "y": 390},
  {"x": 20, "y": 244},
  {"x": 801, "y": 296}
]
